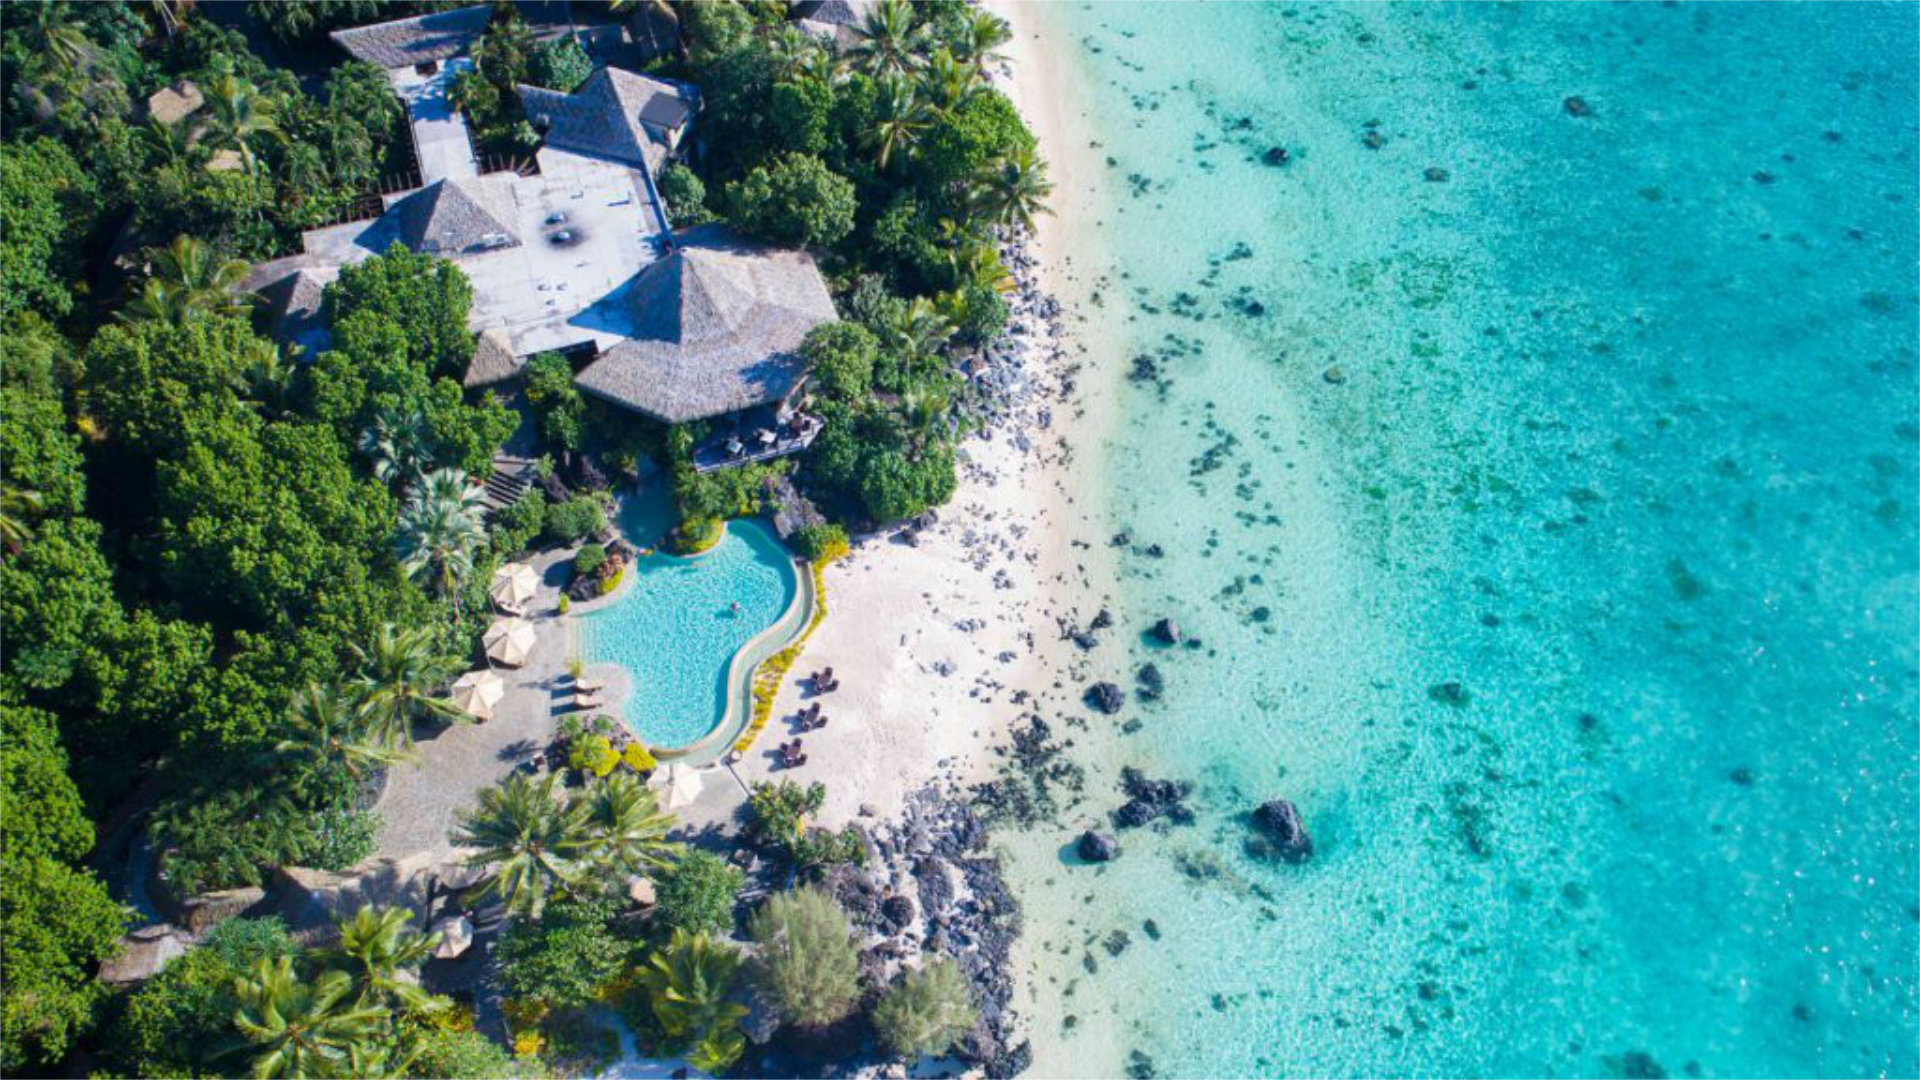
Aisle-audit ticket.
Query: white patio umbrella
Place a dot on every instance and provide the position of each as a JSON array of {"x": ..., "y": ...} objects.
[
  {"x": 679, "y": 786},
  {"x": 456, "y": 933},
  {"x": 509, "y": 641},
  {"x": 514, "y": 584},
  {"x": 477, "y": 692}
]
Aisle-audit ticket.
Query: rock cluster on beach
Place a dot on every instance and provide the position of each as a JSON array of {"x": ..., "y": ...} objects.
[{"x": 930, "y": 886}]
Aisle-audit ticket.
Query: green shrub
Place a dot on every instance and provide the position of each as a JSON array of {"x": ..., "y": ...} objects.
[
  {"x": 821, "y": 543},
  {"x": 515, "y": 526},
  {"x": 575, "y": 520},
  {"x": 594, "y": 754},
  {"x": 840, "y": 356},
  {"x": 695, "y": 535},
  {"x": 638, "y": 758},
  {"x": 441, "y": 1054},
  {"x": 696, "y": 894},
  {"x": 560, "y": 65},
  {"x": 925, "y": 1011},
  {"x": 807, "y": 964},
  {"x": 685, "y": 196},
  {"x": 589, "y": 559},
  {"x": 797, "y": 200},
  {"x": 562, "y": 959}
]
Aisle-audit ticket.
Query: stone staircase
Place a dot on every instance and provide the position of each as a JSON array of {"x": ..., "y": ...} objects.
[{"x": 512, "y": 478}]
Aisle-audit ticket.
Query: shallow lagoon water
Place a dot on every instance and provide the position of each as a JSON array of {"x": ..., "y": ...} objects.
[
  {"x": 676, "y": 629},
  {"x": 1620, "y": 440}
]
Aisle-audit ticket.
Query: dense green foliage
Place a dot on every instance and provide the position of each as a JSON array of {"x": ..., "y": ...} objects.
[
  {"x": 556, "y": 402},
  {"x": 563, "y": 959},
  {"x": 807, "y": 963},
  {"x": 925, "y": 1011},
  {"x": 821, "y": 543},
  {"x": 688, "y": 980},
  {"x": 559, "y": 65},
  {"x": 56, "y": 919},
  {"x": 696, "y": 893},
  {"x": 179, "y": 1023},
  {"x": 777, "y": 821},
  {"x": 794, "y": 200}
]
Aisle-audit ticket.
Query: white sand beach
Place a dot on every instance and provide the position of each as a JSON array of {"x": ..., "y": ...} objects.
[{"x": 939, "y": 644}]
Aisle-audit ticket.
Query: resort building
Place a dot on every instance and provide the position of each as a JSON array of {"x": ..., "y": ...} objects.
[{"x": 575, "y": 251}]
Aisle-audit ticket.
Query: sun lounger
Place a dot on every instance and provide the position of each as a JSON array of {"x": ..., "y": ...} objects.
[
  {"x": 588, "y": 701},
  {"x": 588, "y": 686}
]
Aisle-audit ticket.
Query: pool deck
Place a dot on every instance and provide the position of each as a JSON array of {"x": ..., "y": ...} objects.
[{"x": 421, "y": 801}]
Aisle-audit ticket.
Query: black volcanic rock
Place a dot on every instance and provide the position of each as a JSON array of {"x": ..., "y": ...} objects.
[
  {"x": 1283, "y": 834},
  {"x": 1166, "y": 632},
  {"x": 1098, "y": 846},
  {"x": 1105, "y": 697}
]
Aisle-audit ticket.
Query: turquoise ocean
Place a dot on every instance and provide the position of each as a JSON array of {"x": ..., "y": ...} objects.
[{"x": 1540, "y": 478}]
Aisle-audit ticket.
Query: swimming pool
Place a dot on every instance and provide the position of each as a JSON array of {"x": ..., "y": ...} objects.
[{"x": 676, "y": 628}]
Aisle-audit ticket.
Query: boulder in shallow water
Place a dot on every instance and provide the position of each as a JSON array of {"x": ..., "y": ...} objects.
[
  {"x": 1098, "y": 846},
  {"x": 1277, "y": 156},
  {"x": 1450, "y": 693},
  {"x": 1105, "y": 697},
  {"x": 1283, "y": 830},
  {"x": 1577, "y": 106},
  {"x": 1437, "y": 175},
  {"x": 1166, "y": 632}
]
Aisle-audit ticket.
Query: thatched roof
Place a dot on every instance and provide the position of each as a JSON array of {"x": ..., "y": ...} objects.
[
  {"x": 448, "y": 217},
  {"x": 172, "y": 104},
  {"x": 406, "y": 42},
  {"x": 493, "y": 360},
  {"x": 616, "y": 114},
  {"x": 294, "y": 306},
  {"x": 718, "y": 326}
]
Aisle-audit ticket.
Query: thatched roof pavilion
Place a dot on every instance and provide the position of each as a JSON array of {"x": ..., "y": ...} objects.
[{"x": 717, "y": 329}]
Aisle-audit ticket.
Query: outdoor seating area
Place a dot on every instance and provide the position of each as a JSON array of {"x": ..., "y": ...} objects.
[
  {"x": 823, "y": 682},
  {"x": 757, "y": 436},
  {"x": 790, "y": 756}
]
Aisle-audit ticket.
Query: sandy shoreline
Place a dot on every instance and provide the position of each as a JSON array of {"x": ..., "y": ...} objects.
[{"x": 940, "y": 643}]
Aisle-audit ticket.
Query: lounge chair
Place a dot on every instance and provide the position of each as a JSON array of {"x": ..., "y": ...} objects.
[
  {"x": 588, "y": 686},
  {"x": 588, "y": 701}
]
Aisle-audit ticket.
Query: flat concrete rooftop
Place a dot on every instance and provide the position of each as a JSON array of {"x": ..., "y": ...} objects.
[{"x": 547, "y": 292}]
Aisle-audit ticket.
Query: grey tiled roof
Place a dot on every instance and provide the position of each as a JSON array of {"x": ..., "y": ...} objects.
[
  {"x": 406, "y": 42},
  {"x": 718, "y": 326},
  {"x": 448, "y": 217},
  {"x": 614, "y": 114}
]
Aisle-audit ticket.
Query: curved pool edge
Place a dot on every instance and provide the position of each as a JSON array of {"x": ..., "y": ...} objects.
[{"x": 784, "y": 631}]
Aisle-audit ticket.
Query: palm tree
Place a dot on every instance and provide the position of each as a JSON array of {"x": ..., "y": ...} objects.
[
  {"x": 947, "y": 83},
  {"x": 688, "y": 980},
  {"x": 16, "y": 506},
  {"x": 55, "y": 26},
  {"x": 302, "y": 170},
  {"x": 439, "y": 530},
  {"x": 924, "y": 410},
  {"x": 977, "y": 266},
  {"x": 324, "y": 728},
  {"x": 169, "y": 144},
  {"x": 237, "y": 116},
  {"x": 628, "y": 827},
  {"x": 202, "y": 279},
  {"x": 916, "y": 332},
  {"x": 299, "y": 1029},
  {"x": 980, "y": 38},
  {"x": 899, "y": 116},
  {"x": 170, "y": 14},
  {"x": 401, "y": 674},
  {"x": 533, "y": 841},
  {"x": 890, "y": 41},
  {"x": 1014, "y": 189},
  {"x": 266, "y": 377},
  {"x": 400, "y": 448},
  {"x": 379, "y": 951}
]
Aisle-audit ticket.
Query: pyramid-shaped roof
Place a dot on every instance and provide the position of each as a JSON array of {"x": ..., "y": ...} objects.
[
  {"x": 718, "y": 327},
  {"x": 615, "y": 114},
  {"x": 448, "y": 217}
]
